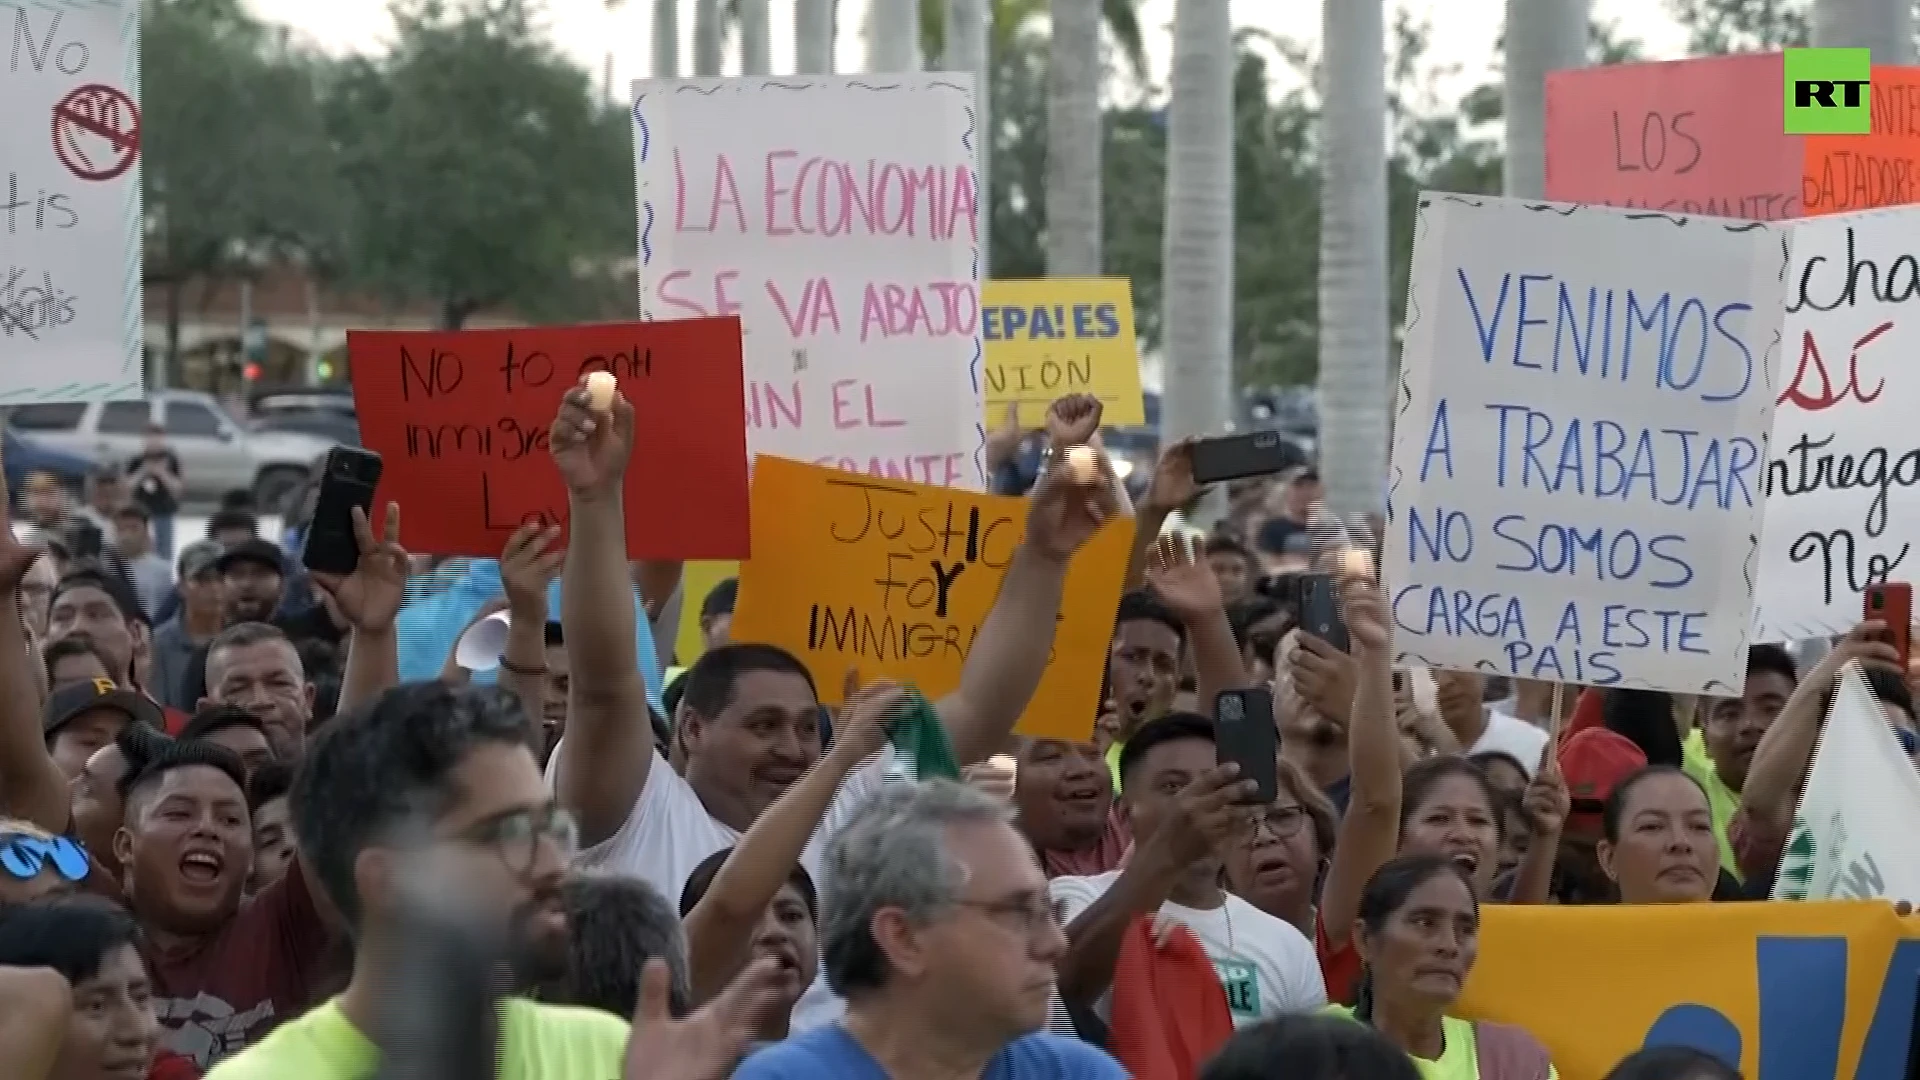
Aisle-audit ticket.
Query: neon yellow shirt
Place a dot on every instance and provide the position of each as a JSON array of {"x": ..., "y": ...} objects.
[
  {"x": 1722, "y": 799},
  {"x": 1113, "y": 763},
  {"x": 537, "y": 1042},
  {"x": 1459, "y": 1061}
]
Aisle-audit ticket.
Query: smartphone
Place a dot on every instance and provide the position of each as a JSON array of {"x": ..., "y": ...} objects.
[
  {"x": 1320, "y": 610},
  {"x": 347, "y": 479},
  {"x": 1892, "y": 603},
  {"x": 1257, "y": 453},
  {"x": 1244, "y": 734}
]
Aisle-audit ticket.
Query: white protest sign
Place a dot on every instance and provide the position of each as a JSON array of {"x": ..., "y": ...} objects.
[
  {"x": 1853, "y": 837},
  {"x": 839, "y": 218},
  {"x": 1579, "y": 442},
  {"x": 70, "y": 317},
  {"x": 1842, "y": 512}
]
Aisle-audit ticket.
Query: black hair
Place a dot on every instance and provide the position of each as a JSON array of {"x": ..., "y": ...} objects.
[
  {"x": 1672, "y": 1063},
  {"x": 246, "y": 633},
  {"x": 554, "y": 634},
  {"x": 1487, "y": 757},
  {"x": 1645, "y": 718},
  {"x": 116, "y": 587},
  {"x": 1769, "y": 657},
  {"x": 1416, "y": 787},
  {"x": 1313, "y": 1048},
  {"x": 615, "y": 925},
  {"x": 215, "y": 719},
  {"x": 1141, "y": 605},
  {"x": 1246, "y": 613},
  {"x": 67, "y": 648},
  {"x": 71, "y": 934},
  {"x": 272, "y": 780},
  {"x": 720, "y": 599},
  {"x": 1218, "y": 544},
  {"x": 1172, "y": 727},
  {"x": 1386, "y": 893},
  {"x": 138, "y": 742},
  {"x": 385, "y": 764},
  {"x": 702, "y": 877},
  {"x": 162, "y": 758},
  {"x": 1617, "y": 798},
  {"x": 1888, "y": 686},
  {"x": 232, "y": 517},
  {"x": 712, "y": 679}
]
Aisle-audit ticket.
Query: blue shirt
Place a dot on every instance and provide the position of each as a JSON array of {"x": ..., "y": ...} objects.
[{"x": 829, "y": 1053}]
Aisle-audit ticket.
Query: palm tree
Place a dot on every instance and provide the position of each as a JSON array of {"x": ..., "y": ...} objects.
[
  {"x": 1073, "y": 140},
  {"x": 1353, "y": 257},
  {"x": 709, "y": 39},
  {"x": 1542, "y": 36},
  {"x": 1885, "y": 26},
  {"x": 813, "y": 33},
  {"x": 666, "y": 37},
  {"x": 968, "y": 27},
  {"x": 756, "y": 51},
  {"x": 1198, "y": 260},
  {"x": 893, "y": 35}
]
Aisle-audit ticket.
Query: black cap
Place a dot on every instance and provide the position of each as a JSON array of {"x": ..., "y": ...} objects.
[
  {"x": 257, "y": 551},
  {"x": 721, "y": 598},
  {"x": 116, "y": 586},
  {"x": 69, "y": 702}
]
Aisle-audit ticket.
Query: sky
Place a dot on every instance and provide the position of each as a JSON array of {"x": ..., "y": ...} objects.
[{"x": 586, "y": 30}]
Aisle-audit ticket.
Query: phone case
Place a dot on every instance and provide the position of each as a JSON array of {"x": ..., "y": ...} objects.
[
  {"x": 1892, "y": 603},
  {"x": 1256, "y": 453},
  {"x": 1320, "y": 610},
  {"x": 348, "y": 479},
  {"x": 1244, "y": 734}
]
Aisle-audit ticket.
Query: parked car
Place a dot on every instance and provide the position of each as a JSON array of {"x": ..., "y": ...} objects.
[
  {"x": 279, "y": 400},
  {"x": 216, "y": 452},
  {"x": 24, "y": 457}
]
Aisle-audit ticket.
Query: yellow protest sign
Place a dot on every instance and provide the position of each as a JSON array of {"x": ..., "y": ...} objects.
[
  {"x": 1821, "y": 990},
  {"x": 894, "y": 579},
  {"x": 697, "y": 579},
  {"x": 1051, "y": 336}
]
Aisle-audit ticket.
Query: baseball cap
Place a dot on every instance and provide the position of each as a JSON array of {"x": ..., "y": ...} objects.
[
  {"x": 116, "y": 586},
  {"x": 721, "y": 598},
  {"x": 1593, "y": 762},
  {"x": 67, "y": 704},
  {"x": 199, "y": 557},
  {"x": 257, "y": 551}
]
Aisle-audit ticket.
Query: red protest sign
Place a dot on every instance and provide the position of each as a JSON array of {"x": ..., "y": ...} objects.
[{"x": 461, "y": 419}]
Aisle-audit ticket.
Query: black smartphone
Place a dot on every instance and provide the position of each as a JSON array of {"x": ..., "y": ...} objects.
[
  {"x": 1244, "y": 734},
  {"x": 1320, "y": 610},
  {"x": 347, "y": 479},
  {"x": 1257, "y": 453}
]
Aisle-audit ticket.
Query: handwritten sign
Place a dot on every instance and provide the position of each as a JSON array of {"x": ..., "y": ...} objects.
[
  {"x": 839, "y": 218},
  {"x": 895, "y": 579},
  {"x": 1580, "y": 442},
  {"x": 1053, "y": 336},
  {"x": 461, "y": 419},
  {"x": 70, "y": 299},
  {"x": 1841, "y": 507},
  {"x": 1703, "y": 137}
]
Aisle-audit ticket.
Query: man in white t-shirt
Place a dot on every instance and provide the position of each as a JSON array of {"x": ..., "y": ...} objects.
[
  {"x": 1481, "y": 728},
  {"x": 749, "y": 720},
  {"x": 1183, "y": 809}
]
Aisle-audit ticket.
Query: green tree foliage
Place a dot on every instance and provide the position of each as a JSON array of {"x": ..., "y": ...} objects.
[{"x": 1716, "y": 27}]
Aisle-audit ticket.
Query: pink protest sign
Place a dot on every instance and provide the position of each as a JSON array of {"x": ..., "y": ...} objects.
[{"x": 838, "y": 217}]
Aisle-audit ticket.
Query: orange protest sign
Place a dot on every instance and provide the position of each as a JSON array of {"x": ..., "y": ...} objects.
[
  {"x": 894, "y": 579},
  {"x": 1845, "y": 173},
  {"x": 460, "y": 419}
]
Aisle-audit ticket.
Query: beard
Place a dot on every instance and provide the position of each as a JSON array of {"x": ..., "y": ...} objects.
[{"x": 536, "y": 955}]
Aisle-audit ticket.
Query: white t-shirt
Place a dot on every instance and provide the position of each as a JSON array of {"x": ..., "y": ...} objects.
[
  {"x": 1266, "y": 966},
  {"x": 1511, "y": 735},
  {"x": 669, "y": 833}
]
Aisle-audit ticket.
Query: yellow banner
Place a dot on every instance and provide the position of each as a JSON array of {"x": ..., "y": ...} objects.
[
  {"x": 697, "y": 579},
  {"x": 1051, "y": 336},
  {"x": 894, "y": 579},
  {"x": 1813, "y": 991}
]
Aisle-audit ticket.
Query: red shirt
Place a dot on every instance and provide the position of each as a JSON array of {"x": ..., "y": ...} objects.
[
  {"x": 1339, "y": 967},
  {"x": 226, "y": 991}
]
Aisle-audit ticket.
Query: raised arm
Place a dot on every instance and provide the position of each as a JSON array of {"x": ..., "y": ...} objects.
[
  {"x": 35, "y": 1007},
  {"x": 528, "y": 564},
  {"x": 1010, "y": 653},
  {"x": 1171, "y": 488},
  {"x": 720, "y": 928},
  {"x": 1185, "y": 583},
  {"x": 1785, "y": 754},
  {"x": 369, "y": 599},
  {"x": 608, "y": 747},
  {"x": 32, "y": 787},
  {"x": 1370, "y": 830}
]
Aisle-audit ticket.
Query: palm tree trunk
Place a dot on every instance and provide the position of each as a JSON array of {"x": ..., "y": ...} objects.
[
  {"x": 893, "y": 35},
  {"x": 968, "y": 24},
  {"x": 1074, "y": 138},
  {"x": 666, "y": 39},
  {"x": 1885, "y": 26},
  {"x": 1353, "y": 257},
  {"x": 813, "y": 36},
  {"x": 1198, "y": 258},
  {"x": 708, "y": 39},
  {"x": 1542, "y": 36},
  {"x": 756, "y": 51}
]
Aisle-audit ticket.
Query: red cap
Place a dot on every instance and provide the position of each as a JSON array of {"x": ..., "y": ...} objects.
[{"x": 1594, "y": 762}]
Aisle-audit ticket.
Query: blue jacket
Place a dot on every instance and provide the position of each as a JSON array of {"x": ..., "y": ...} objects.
[{"x": 440, "y": 604}]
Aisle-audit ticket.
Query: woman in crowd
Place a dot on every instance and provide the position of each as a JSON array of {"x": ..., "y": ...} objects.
[
  {"x": 1672, "y": 1063},
  {"x": 1658, "y": 845},
  {"x": 35, "y": 864},
  {"x": 1418, "y": 933},
  {"x": 1312, "y": 1048}
]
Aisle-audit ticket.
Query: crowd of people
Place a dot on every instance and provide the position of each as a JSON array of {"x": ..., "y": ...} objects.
[{"x": 235, "y": 843}]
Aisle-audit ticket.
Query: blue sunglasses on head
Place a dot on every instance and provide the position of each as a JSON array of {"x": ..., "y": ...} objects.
[{"x": 23, "y": 856}]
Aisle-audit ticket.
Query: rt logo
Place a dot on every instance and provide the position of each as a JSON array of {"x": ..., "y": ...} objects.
[{"x": 1827, "y": 92}]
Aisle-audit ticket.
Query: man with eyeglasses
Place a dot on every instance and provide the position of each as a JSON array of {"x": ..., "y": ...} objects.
[{"x": 937, "y": 929}]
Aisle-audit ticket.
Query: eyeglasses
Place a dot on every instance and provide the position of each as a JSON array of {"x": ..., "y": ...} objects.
[
  {"x": 516, "y": 837},
  {"x": 1283, "y": 821},
  {"x": 1031, "y": 916},
  {"x": 24, "y": 856}
]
